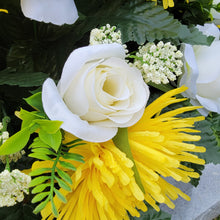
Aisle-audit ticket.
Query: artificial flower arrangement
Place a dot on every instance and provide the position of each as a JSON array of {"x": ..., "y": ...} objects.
[{"x": 102, "y": 137}]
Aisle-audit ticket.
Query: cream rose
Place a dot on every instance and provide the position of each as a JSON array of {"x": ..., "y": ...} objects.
[
  {"x": 55, "y": 11},
  {"x": 202, "y": 72},
  {"x": 97, "y": 93}
]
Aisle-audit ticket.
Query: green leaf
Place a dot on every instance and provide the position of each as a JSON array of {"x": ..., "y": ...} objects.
[
  {"x": 16, "y": 142},
  {"x": 73, "y": 156},
  {"x": 67, "y": 165},
  {"x": 41, "y": 206},
  {"x": 53, "y": 140},
  {"x": 40, "y": 188},
  {"x": 39, "y": 156},
  {"x": 45, "y": 151},
  {"x": 38, "y": 143},
  {"x": 152, "y": 214},
  {"x": 28, "y": 117},
  {"x": 10, "y": 77},
  {"x": 60, "y": 196},
  {"x": 64, "y": 175},
  {"x": 51, "y": 127},
  {"x": 35, "y": 101},
  {"x": 39, "y": 171},
  {"x": 73, "y": 142},
  {"x": 38, "y": 180},
  {"x": 40, "y": 196},
  {"x": 62, "y": 184},
  {"x": 141, "y": 21},
  {"x": 54, "y": 209},
  {"x": 121, "y": 141}
]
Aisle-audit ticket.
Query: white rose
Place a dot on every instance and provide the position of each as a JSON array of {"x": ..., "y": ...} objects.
[
  {"x": 55, "y": 11},
  {"x": 215, "y": 14},
  {"x": 97, "y": 93},
  {"x": 202, "y": 74}
]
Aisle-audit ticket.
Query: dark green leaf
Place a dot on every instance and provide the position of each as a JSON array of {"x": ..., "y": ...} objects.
[
  {"x": 22, "y": 79},
  {"x": 60, "y": 196},
  {"x": 16, "y": 142},
  {"x": 64, "y": 175},
  {"x": 63, "y": 185},
  {"x": 35, "y": 101},
  {"x": 40, "y": 196},
  {"x": 67, "y": 165}
]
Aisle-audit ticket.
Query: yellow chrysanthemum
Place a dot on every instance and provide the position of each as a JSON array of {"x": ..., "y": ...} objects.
[
  {"x": 168, "y": 3},
  {"x": 104, "y": 186}
]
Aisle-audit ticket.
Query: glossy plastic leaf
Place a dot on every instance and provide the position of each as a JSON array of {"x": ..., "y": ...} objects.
[
  {"x": 39, "y": 171},
  {"x": 60, "y": 196},
  {"x": 35, "y": 101},
  {"x": 27, "y": 117},
  {"x": 62, "y": 184},
  {"x": 38, "y": 180},
  {"x": 64, "y": 176},
  {"x": 40, "y": 188},
  {"x": 67, "y": 165},
  {"x": 53, "y": 140},
  {"x": 54, "y": 209},
  {"x": 40, "y": 196},
  {"x": 121, "y": 141},
  {"x": 16, "y": 142},
  {"x": 41, "y": 206},
  {"x": 72, "y": 156},
  {"x": 51, "y": 127}
]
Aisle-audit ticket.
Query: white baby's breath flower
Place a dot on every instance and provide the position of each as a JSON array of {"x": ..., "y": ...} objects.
[
  {"x": 1, "y": 126},
  {"x": 106, "y": 35},
  {"x": 13, "y": 185},
  {"x": 159, "y": 63}
]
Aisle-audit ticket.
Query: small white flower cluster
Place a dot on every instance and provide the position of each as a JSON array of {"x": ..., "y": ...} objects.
[
  {"x": 4, "y": 135},
  {"x": 106, "y": 35},
  {"x": 159, "y": 63},
  {"x": 13, "y": 185}
]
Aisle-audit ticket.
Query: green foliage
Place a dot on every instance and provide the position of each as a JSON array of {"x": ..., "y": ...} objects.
[
  {"x": 152, "y": 214},
  {"x": 135, "y": 18}
]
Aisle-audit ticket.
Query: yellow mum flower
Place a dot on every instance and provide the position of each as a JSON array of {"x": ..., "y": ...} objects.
[
  {"x": 168, "y": 3},
  {"x": 104, "y": 186}
]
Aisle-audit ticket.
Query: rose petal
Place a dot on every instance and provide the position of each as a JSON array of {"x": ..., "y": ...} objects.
[
  {"x": 206, "y": 58},
  {"x": 56, "y": 109},
  {"x": 191, "y": 71},
  {"x": 55, "y": 11},
  {"x": 80, "y": 56}
]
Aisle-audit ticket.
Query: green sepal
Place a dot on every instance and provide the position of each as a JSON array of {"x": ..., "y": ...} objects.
[
  {"x": 53, "y": 140},
  {"x": 16, "y": 142},
  {"x": 35, "y": 101},
  {"x": 121, "y": 141}
]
